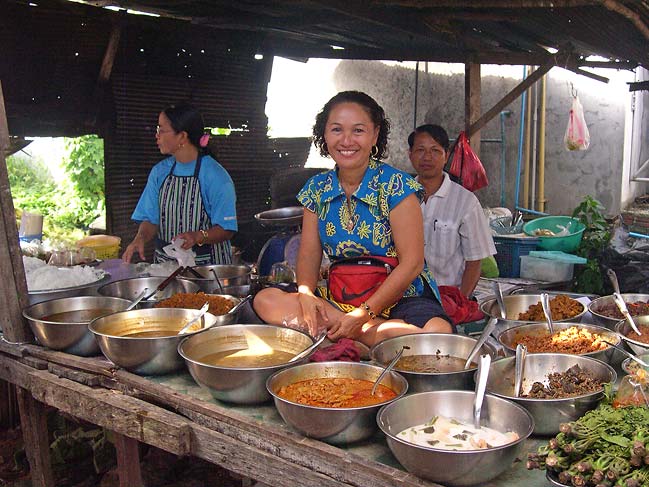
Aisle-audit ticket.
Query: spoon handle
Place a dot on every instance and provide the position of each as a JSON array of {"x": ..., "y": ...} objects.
[
  {"x": 489, "y": 327},
  {"x": 612, "y": 276},
  {"x": 480, "y": 388},
  {"x": 545, "y": 303},
  {"x": 311, "y": 347},
  {"x": 619, "y": 301},
  {"x": 137, "y": 300},
  {"x": 218, "y": 281},
  {"x": 200, "y": 314},
  {"x": 165, "y": 283},
  {"x": 388, "y": 368},
  {"x": 499, "y": 298},
  {"x": 521, "y": 353}
]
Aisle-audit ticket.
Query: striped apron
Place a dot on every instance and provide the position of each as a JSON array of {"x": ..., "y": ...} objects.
[{"x": 182, "y": 210}]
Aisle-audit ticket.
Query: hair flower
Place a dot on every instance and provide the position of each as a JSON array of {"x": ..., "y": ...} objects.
[{"x": 205, "y": 138}]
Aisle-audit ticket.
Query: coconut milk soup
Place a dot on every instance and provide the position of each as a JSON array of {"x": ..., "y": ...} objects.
[{"x": 243, "y": 358}]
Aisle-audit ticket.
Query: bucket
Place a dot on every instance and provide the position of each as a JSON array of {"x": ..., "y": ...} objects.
[
  {"x": 31, "y": 227},
  {"x": 105, "y": 246}
]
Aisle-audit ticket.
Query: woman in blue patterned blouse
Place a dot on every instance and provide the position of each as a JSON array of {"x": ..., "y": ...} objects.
[{"x": 361, "y": 207}]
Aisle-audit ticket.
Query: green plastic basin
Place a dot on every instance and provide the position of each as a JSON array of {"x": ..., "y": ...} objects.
[{"x": 565, "y": 243}]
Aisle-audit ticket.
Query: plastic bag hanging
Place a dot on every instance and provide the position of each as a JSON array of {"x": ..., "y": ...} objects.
[
  {"x": 577, "y": 136},
  {"x": 466, "y": 166}
]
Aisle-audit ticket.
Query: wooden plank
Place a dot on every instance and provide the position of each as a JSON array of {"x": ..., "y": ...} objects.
[
  {"x": 34, "y": 363},
  {"x": 472, "y": 98},
  {"x": 287, "y": 446},
  {"x": 14, "y": 372},
  {"x": 33, "y": 420},
  {"x": 9, "y": 415},
  {"x": 84, "y": 378},
  {"x": 123, "y": 414},
  {"x": 13, "y": 286},
  {"x": 98, "y": 365},
  {"x": 104, "y": 74},
  {"x": 12, "y": 348},
  {"x": 509, "y": 97},
  {"x": 128, "y": 461}
]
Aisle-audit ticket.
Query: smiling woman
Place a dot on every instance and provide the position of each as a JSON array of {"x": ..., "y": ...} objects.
[{"x": 363, "y": 207}]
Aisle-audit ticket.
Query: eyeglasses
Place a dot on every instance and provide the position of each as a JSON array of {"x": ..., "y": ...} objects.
[{"x": 159, "y": 131}]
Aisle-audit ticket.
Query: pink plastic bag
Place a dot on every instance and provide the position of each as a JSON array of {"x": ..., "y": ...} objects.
[
  {"x": 577, "y": 136},
  {"x": 466, "y": 165}
]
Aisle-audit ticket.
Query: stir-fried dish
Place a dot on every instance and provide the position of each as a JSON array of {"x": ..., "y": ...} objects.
[
  {"x": 450, "y": 434},
  {"x": 340, "y": 392},
  {"x": 574, "y": 340},
  {"x": 562, "y": 307},
  {"x": 644, "y": 338},
  {"x": 218, "y": 304},
  {"x": 636, "y": 308},
  {"x": 573, "y": 382}
]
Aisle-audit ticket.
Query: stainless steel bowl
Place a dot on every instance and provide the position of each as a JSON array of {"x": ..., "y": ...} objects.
[
  {"x": 515, "y": 305},
  {"x": 144, "y": 355},
  {"x": 240, "y": 385},
  {"x": 332, "y": 425},
  {"x": 454, "y": 468},
  {"x": 238, "y": 291},
  {"x": 629, "y": 366},
  {"x": 69, "y": 337},
  {"x": 548, "y": 414},
  {"x": 130, "y": 288},
  {"x": 596, "y": 305},
  {"x": 623, "y": 328},
  {"x": 509, "y": 338},
  {"x": 429, "y": 344},
  {"x": 229, "y": 275},
  {"x": 288, "y": 216},
  {"x": 223, "y": 319},
  {"x": 67, "y": 292}
]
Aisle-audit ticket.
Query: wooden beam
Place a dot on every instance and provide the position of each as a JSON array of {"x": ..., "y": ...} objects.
[
  {"x": 33, "y": 420},
  {"x": 472, "y": 97},
  {"x": 104, "y": 74},
  {"x": 638, "y": 85},
  {"x": 509, "y": 97},
  {"x": 625, "y": 11},
  {"x": 128, "y": 461},
  {"x": 13, "y": 286}
]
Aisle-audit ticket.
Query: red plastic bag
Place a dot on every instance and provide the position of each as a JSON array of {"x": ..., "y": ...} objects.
[
  {"x": 466, "y": 166},
  {"x": 577, "y": 136}
]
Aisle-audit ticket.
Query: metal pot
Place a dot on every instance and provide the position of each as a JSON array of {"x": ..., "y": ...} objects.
[{"x": 228, "y": 274}]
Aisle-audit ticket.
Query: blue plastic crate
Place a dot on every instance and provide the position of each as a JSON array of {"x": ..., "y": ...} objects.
[{"x": 510, "y": 250}]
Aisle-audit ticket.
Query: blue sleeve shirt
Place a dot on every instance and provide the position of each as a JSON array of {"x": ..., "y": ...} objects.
[{"x": 217, "y": 191}]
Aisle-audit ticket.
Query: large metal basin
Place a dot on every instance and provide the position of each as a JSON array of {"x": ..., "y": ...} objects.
[
  {"x": 509, "y": 338},
  {"x": 515, "y": 305},
  {"x": 596, "y": 305},
  {"x": 548, "y": 414},
  {"x": 131, "y": 288},
  {"x": 454, "y": 468},
  {"x": 229, "y": 275},
  {"x": 144, "y": 355},
  {"x": 69, "y": 337},
  {"x": 624, "y": 328},
  {"x": 429, "y": 344},
  {"x": 240, "y": 385},
  {"x": 332, "y": 425}
]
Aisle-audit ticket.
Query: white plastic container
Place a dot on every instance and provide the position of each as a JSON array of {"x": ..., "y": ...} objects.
[{"x": 545, "y": 269}]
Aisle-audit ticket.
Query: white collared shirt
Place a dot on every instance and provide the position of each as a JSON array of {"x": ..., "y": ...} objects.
[{"x": 455, "y": 230}]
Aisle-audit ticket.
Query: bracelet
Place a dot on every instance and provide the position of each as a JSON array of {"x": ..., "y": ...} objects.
[
  {"x": 205, "y": 237},
  {"x": 366, "y": 307}
]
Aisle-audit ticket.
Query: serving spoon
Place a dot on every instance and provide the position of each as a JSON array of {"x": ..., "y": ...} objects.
[
  {"x": 311, "y": 347},
  {"x": 500, "y": 299},
  {"x": 630, "y": 355},
  {"x": 486, "y": 331},
  {"x": 545, "y": 304},
  {"x": 480, "y": 388},
  {"x": 619, "y": 301},
  {"x": 238, "y": 306},
  {"x": 163, "y": 285},
  {"x": 137, "y": 300},
  {"x": 519, "y": 368},
  {"x": 388, "y": 368},
  {"x": 200, "y": 314},
  {"x": 218, "y": 281}
]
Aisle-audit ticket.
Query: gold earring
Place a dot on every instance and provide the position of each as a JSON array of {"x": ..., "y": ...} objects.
[{"x": 375, "y": 151}]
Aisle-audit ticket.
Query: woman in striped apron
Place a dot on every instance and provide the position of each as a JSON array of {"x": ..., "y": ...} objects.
[{"x": 188, "y": 195}]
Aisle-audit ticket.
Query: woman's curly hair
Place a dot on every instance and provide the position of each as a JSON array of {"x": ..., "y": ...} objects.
[{"x": 373, "y": 109}]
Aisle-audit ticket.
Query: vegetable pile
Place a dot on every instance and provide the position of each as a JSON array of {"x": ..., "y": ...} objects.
[{"x": 603, "y": 448}]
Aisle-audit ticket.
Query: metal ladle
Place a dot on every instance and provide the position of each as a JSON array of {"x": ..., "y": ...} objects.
[
  {"x": 630, "y": 355},
  {"x": 218, "y": 282},
  {"x": 486, "y": 331},
  {"x": 519, "y": 368},
  {"x": 545, "y": 303},
  {"x": 200, "y": 314},
  {"x": 311, "y": 347},
  {"x": 619, "y": 300},
  {"x": 137, "y": 300},
  {"x": 388, "y": 368},
  {"x": 163, "y": 285},
  {"x": 238, "y": 306},
  {"x": 480, "y": 388},
  {"x": 500, "y": 299}
]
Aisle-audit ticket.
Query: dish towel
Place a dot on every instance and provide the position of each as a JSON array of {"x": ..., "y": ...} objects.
[
  {"x": 458, "y": 307},
  {"x": 343, "y": 350}
]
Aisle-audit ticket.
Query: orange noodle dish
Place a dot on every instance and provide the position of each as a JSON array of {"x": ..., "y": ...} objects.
[
  {"x": 572, "y": 340},
  {"x": 341, "y": 392},
  {"x": 218, "y": 304}
]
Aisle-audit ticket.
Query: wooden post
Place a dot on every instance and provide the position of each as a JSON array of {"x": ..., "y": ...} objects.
[
  {"x": 33, "y": 416},
  {"x": 472, "y": 92},
  {"x": 128, "y": 461}
]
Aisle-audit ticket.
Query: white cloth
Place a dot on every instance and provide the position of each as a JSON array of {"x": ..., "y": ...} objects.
[
  {"x": 455, "y": 231},
  {"x": 184, "y": 257}
]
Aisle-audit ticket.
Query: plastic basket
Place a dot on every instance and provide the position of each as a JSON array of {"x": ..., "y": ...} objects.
[
  {"x": 510, "y": 250},
  {"x": 105, "y": 246}
]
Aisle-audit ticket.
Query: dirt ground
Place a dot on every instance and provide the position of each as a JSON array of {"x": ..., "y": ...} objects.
[{"x": 83, "y": 456}]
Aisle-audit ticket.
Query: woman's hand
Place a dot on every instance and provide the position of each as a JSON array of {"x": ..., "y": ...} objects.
[
  {"x": 137, "y": 245},
  {"x": 349, "y": 326},
  {"x": 314, "y": 309}
]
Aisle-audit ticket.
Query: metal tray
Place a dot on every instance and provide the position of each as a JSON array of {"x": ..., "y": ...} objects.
[{"x": 289, "y": 216}]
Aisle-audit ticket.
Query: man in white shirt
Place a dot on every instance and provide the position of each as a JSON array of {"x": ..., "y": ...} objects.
[{"x": 456, "y": 232}]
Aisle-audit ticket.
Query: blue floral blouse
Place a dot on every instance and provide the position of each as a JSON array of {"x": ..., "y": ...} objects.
[{"x": 363, "y": 227}]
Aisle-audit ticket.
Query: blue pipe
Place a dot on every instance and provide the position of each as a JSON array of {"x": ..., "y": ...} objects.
[{"x": 638, "y": 235}]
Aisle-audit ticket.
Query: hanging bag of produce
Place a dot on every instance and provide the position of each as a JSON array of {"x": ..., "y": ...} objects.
[
  {"x": 577, "y": 136},
  {"x": 466, "y": 168}
]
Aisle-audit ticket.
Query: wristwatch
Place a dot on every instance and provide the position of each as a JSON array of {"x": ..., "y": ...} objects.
[{"x": 205, "y": 237}]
